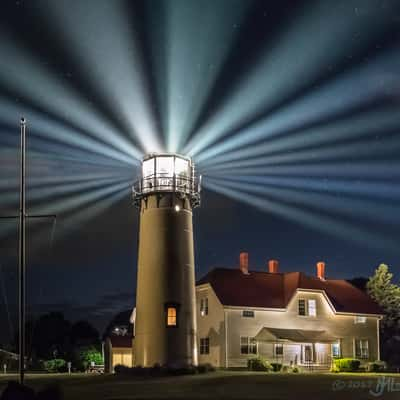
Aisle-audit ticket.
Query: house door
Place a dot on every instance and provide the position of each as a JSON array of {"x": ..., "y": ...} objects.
[{"x": 307, "y": 353}]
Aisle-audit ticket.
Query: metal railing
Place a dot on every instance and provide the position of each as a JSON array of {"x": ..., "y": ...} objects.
[{"x": 164, "y": 183}]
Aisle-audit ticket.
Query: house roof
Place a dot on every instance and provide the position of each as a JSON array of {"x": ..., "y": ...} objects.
[
  {"x": 274, "y": 290},
  {"x": 275, "y": 335}
]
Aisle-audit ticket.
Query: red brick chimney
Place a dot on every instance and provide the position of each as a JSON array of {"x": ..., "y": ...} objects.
[
  {"x": 321, "y": 270},
  {"x": 273, "y": 266},
  {"x": 244, "y": 262}
]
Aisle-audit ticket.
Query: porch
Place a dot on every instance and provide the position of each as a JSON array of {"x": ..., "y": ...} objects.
[{"x": 296, "y": 347}]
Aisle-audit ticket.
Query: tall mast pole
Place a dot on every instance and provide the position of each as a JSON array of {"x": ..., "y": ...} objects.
[{"x": 21, "y": 291}]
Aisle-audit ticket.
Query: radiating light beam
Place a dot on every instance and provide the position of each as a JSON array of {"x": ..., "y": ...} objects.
[
  {"x": 350, "y": 128},
  {"x": 319, "y": 222},
  {"x": 280, "y": 74},
  {"x": 28, "y": 78},
  {"x": 120, "y": 76}
]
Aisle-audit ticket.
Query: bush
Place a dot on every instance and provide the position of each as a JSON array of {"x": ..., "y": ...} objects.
[
  {"x": 84, "y": 356},
  {"x": 377, "y": 366},
  {"x": 204, "y": 368},
  {"x": 295, "y": 370},
  {"x": 345, "y": 365},
  {"x": 55, "y": 365},
  {"x": 258, "y": 364},
  {"x": 276, "y": 367}
]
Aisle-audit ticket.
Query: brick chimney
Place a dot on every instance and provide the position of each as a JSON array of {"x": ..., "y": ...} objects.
[
  {"x": 273, "y": 266},
  {"x": 244, "y": 262},
  {"x": 321, "y": 270}
]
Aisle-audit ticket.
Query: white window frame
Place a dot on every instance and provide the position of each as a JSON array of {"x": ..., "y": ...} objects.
[
  {"x": 360, "y": 319},
  {"x": 251, "y": 343},
  {"x": 339, "y": 350},
  {"x": 314, "y": 301},
  {"x": 360, "y": 341},
  {"x": 305, "y": 308},
  {"x": 204, "y": 306},
  {"x": 204, "y": 346},
  {"x": 251, "y": 314},
  {"x": 275, "y": 353}
]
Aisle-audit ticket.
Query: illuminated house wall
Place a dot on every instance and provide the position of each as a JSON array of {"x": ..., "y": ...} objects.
[{"x": 257, "y": 313}]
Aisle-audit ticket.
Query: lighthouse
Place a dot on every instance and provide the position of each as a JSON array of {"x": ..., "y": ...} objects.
[{"x": 165, "y": 322}]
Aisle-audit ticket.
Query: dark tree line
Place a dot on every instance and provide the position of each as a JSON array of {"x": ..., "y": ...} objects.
[{"x": 51, "y": 336}]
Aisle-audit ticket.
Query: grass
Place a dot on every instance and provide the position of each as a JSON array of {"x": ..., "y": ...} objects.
[{"x": 218, "y": 385}]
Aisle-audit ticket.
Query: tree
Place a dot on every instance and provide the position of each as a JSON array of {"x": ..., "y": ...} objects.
[
  {"x": 84, "y": 334},
  {"x": 84, "y": 356},
  {"x": 51, "y": 336},
  {"x": 387, "y": 294}
]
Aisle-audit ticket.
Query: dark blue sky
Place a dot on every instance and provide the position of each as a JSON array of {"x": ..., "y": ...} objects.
[{"x": 285, "y": 50}]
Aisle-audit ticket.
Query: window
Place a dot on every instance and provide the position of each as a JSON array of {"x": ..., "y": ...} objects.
[
  {"x": 204, "y": 345},
  {"x": 278, "y": 350},
  {"x": 171, "y": 316},
  {"x": 302, "y": 307},
  {"x": 204, "y": 306},
  {"x": 335, "y": 350},
  {"x": 312, "y": 308},
  {"x": 308, "y": 308},
  {"x": 361, "y": 347},
  {"x": 359, "y": 319},
  {"x": 248, "y": 345},
  {"x": 248, "y": 313}
]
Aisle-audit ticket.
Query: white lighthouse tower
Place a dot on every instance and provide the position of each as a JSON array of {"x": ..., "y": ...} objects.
[{"x": 165, "y": 324}]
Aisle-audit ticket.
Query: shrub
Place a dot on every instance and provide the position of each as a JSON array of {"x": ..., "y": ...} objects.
[
  {"x": 258, "y": 364},
  {"x": 377, "y": 366},
  {"x": 345, "y": 365},
  {"x": 276, "y": 367},
  {"x": 204, "y": 368},
  {"x": 295, "y": 370},
  {"x": 55, "y": 365}
]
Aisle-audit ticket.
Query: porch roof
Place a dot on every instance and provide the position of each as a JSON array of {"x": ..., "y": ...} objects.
[{"x": 278, "y": 335}]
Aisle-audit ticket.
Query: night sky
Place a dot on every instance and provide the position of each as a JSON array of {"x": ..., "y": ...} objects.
[{"x": 290, "y": 110}]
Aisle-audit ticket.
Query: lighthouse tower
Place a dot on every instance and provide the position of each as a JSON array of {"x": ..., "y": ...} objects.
[{"x": 165, "y": 323}]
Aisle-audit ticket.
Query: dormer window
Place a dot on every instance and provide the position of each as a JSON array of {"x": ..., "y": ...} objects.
[
  {"x": 302, "y": 307},
  {"x": 360, "y": 319},
  {"x": 312, "y": 307},
  {"x": 248, "y": 313},
  {"x": 307, "y": 308}
]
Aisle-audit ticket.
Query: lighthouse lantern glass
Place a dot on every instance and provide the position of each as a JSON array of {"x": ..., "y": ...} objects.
[
  {"x": 165, "y": 166},
  {"x": 148, "y": 168},
  {"x": 181, "y": 167}
]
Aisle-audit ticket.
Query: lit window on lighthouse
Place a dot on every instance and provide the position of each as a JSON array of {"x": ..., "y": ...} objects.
[{"x": 171, "y": 316}]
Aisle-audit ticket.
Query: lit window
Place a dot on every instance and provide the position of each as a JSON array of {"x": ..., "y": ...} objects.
[
  {"x": 204, "y": 306},
  {"x": 204, "y": 345},
  {"x": 165, "y": 166},
  {"x": 181, "y": 167},
  {"x": 248, "y": 345},
  {"x": 335, "y": 350},
  {"x": 278, "y": 350},
  {"x": 359, "y": 319},
  {"x": 148, "y": 168},
  {"x": 312, "y": 307},
  {"x": 361, "y": 347},
  {"x": 248, "y": 313},
  {"x": 302, "y": 307},
  {"x": 171, "y": 316}
]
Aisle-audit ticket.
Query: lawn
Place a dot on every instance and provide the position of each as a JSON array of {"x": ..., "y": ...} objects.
[{"x": 218, "y": 385}]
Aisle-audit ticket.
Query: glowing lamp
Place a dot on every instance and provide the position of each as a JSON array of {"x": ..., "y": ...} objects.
[{"x": 167, "y": 172}]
